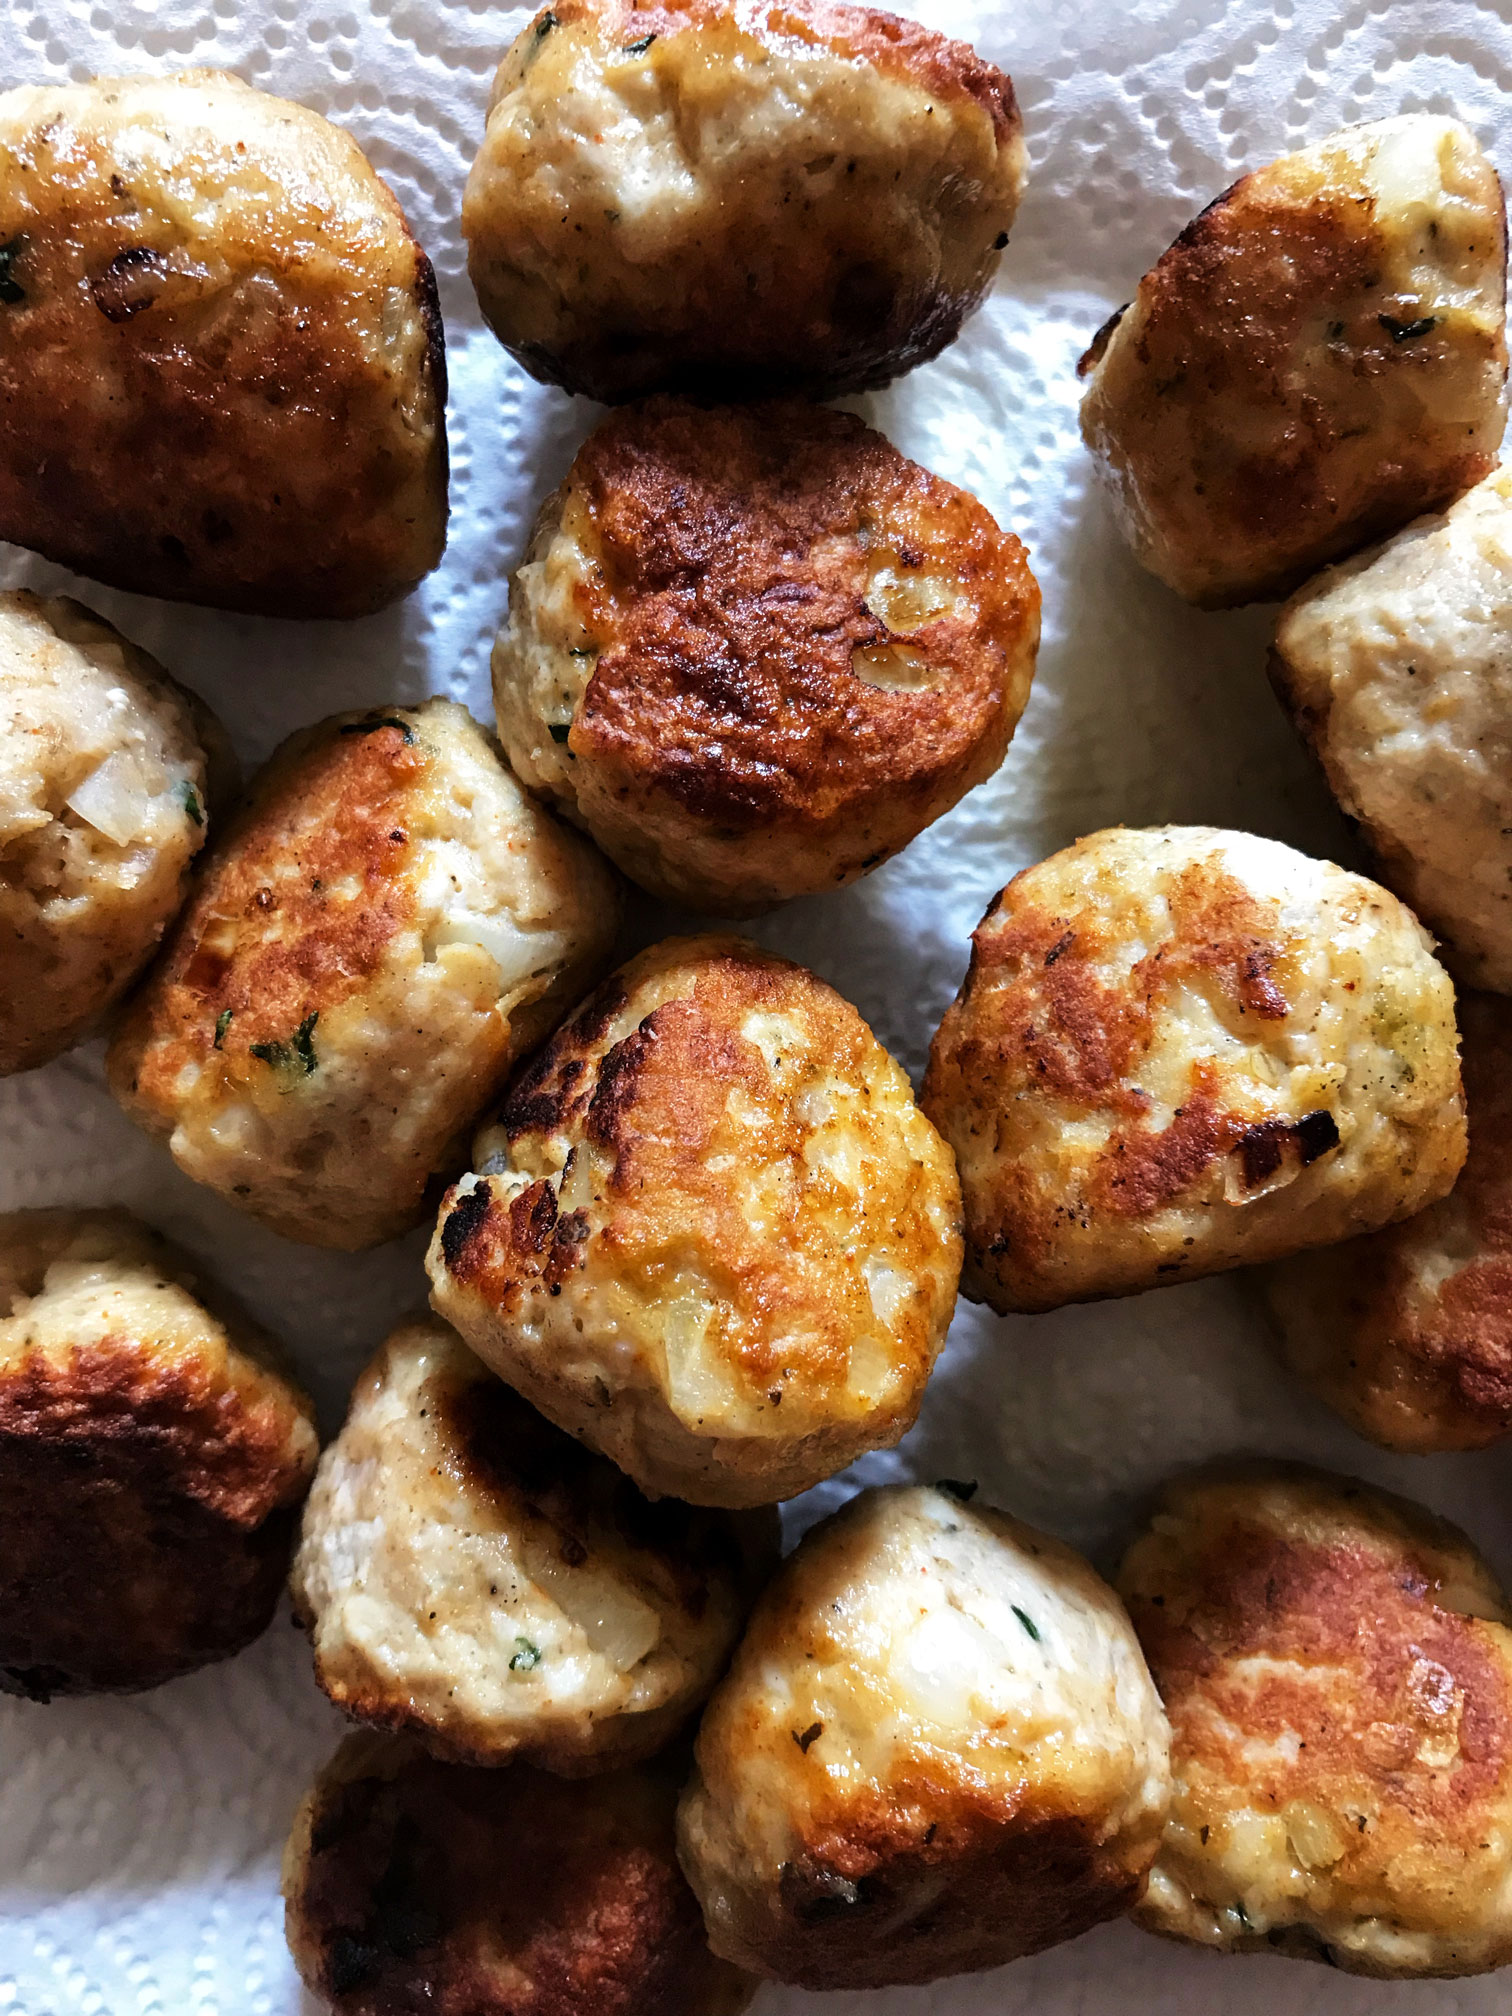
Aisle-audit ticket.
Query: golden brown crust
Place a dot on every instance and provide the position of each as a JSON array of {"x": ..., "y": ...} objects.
[
  {"x": 734, "y": 744},
  {"x": 1279, "y": 330},
  {"x": 1094, "y": 1074},
  {"x": 411, "y": 1883},
  {"x": 152, "y": 1483},
  {"x": 264, "y": 446},
  {"x": 1408, "y": 1332},
  {"x": 715, "y": 1150},
  {"x": 822, "y": 241},
  {"x": 1335, "y": 1661}
]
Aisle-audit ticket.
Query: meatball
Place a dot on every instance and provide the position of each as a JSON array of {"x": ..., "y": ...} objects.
[
  {"x": 710, "y": 1233},
  {"x": 386, "y": 926},
  {"x": 1319, "y": 357},
  {"x": 412, "y": 1884},
  {"x": 1408, "y": 1331},
  {"x": 105, "y": 787},
  {"x": 1337, "y": 1668},
  {"x": 754, "y": 651},
  {"x": 221, "y": 358},
  {"x": 1181, "y": 1050},
  {"x": 152, "y": 1459},
  {"x": 471, "y": 1574},
  {"x": 737, "y": 196},
  {"x": 1395, "y": 668},
  {"x": 938, "y": 1749}
]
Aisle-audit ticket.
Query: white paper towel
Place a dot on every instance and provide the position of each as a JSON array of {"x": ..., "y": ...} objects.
[{"x": 139, "y": 1839}]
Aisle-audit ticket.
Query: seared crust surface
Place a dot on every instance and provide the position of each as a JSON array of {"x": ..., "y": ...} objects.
[
  {"x": 109, "y": 772},
  {"x": 388, "y": 923},
  {"x": 1337, "y": 1668},
  {"x": 472, "y": 1575},
  {"x": 1181, "y": 1050},
  {"x": 412, "y": 1884},
  {"x": 221, "y": 363},
  {"x": 151, "y": 1460},
  {"x": 710, "y": 1234},
  {"x": 1408, "y": 1332},
  {"x": 938, "y": 1749},
  {"x": 1319, "y": 357},
  {"x": 739, "y": 198},
  {"x": 755, "y": 651}
]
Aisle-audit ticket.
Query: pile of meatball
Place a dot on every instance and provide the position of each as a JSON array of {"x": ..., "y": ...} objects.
[{"x": 696, "y": 1243}]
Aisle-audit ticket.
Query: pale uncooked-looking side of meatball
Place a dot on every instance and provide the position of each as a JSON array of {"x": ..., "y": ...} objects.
[
  {"x": 710, "y": 1233},
  {"x": 1408, "y": 1332},
  {"x": 1336, "y": 1664},
  {"x": 411, "y": 1884},
  {"x": 387, "y": 925},
  {"x": 737, "y": 196},
  {"x": 754, "y": 650},
  {"x": 470, "y": 1574},
  {"x": 105, "y": 790},
  {"x": 1319, "y": 357},
  {"x": 1182, "y": 1049},
  {"x": 153, "y": 1452},
  {"x": 938, "y": 1749},
  {"x": 221, "y": 356},
  {"x": 1395, "y": 667}
]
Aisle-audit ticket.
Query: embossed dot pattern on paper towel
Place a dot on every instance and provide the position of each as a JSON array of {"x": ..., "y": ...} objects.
[{"x": 139, "y": 1840}]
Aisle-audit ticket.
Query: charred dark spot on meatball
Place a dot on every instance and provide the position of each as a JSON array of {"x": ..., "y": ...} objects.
[
  {"x": 1092, "y": 356},
  {"x": 12, "y": 293},
  {"x": 131, "y": 282},
  {"x": 462, "y": 1224}
]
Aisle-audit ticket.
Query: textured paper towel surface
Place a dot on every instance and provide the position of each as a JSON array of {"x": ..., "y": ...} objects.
[{"x": 139, "y": 1840}]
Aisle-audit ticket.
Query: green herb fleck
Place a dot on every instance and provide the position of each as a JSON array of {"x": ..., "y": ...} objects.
[
  {"x": 297, "y": 1054},
  {"x": 377, "y": 721},
  {"x": 584, "y": 651},
  {"x": 639, "y": 48},
  {"x": 11, "y": 290},
  {"x": 560, "y": 730},
  {"x": 1027, "y": 1621},
  {"x": 222, "y": 1024},
  {"x": 191, "y": 802},
  {"x": 1404, "y": 332},
  {"x": 544, "y": 26},
  {"x": 527, "y": 1658}
]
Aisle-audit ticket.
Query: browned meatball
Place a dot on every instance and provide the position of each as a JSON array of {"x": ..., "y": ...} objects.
[
  {"x": 414, "y": 1885},
  {"x": 755, "y": 651}
]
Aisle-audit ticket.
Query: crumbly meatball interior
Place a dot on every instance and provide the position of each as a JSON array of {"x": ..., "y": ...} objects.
[
  {"x": 152, "y": 1457},
  {"x": 754, "y": 651},
  {"x": 1395, "y": 667},
  {"x": 1408, "y": 1332},
  {"x": 1182, "y": 1049},
  {"x": 1337, "y": 1668},
  {"x": 470, "y": 1573},
  {"x": 710, "y": 1233},
  {"x": 411, "y": 1884},
  {"x": 221, "y": 357},
  {"x": 742, "y": 198},
  {"x": 388, "y": 924},
  {"x": 104, "y": 795},
  {"x": 1319, "y": 357},
  {"x": 938, "y": 1749}
]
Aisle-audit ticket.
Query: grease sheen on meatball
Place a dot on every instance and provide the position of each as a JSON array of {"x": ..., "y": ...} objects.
[
  {"x": 1408, "y": 1332},
  {"x": 938, "y": 1749},
  {"x": 1181, "y": 1050},
  {"x": 105, "y": 790},
  {"x": 152, "y": 1455},
  {"x": 469, "y": 1573},
  {"x": 737, "y": 196},
  {"x": 1319, "y": 357},
  {"x": 388, "y": 923},
  {"x": 710, "y": 1234},
  {"x": 1337, "y": 1668},
  {"x": 221, "y": 357},
  {"x": 411, "y": 1884},
  {"x": 1395, "y": 667},
  {"x": 754, "y": 651}
]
